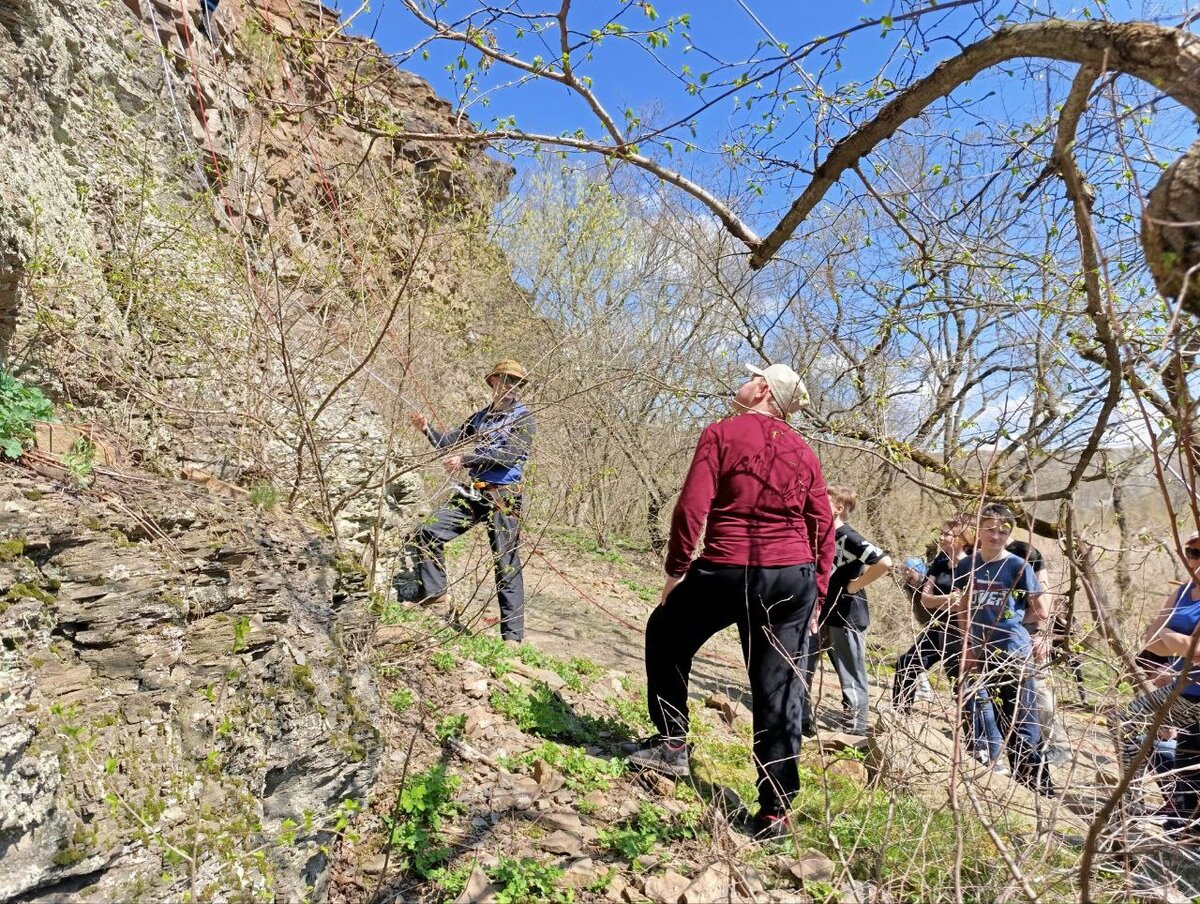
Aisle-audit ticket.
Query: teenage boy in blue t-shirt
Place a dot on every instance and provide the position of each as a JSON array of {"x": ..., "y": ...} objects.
[{"x": 996, "y": 595}]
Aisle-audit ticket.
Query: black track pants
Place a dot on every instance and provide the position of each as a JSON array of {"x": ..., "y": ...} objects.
[{"x": 771, "y": 608}]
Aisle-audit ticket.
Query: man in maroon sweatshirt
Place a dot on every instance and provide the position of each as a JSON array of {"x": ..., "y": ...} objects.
[{"x": 756, "y": 490}]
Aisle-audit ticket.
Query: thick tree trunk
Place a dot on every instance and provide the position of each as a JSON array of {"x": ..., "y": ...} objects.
[{"x": 1171, "y": 231}]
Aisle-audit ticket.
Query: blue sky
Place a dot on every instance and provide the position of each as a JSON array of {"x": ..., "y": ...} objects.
[
  {"x": 627, "y": 76},
  {"x": 624, "y": 77}
]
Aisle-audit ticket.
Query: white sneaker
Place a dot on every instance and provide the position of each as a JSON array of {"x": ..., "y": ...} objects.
[{"x": 1000, "y": 768}]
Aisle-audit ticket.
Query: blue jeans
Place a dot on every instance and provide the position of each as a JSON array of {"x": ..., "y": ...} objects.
[
  {"x": 1006, "y": 708},
  {"x": 940, "y": 642}
]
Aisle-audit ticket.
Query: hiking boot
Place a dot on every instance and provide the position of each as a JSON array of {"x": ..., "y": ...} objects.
[
  {"x": 436, "y": 600},
  {"x": 625, "y": 748},
  {"x": 666, "y": 758},
  {"x": 771, "y": 827}
]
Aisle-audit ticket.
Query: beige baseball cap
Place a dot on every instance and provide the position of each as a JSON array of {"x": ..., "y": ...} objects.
[{"x": 787, "y": 389}]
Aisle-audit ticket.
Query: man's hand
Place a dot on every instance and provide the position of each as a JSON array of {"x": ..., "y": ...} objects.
[
  {"x": 452, "y": 463},
  {"x": 418, "y": 420},
  {"x": 813, "y": 627},
  {"x": 1041, "y": 648},
  {"x": 670, "y": 584}
]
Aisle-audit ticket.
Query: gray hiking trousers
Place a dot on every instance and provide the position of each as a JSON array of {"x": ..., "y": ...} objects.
[
  {"x": 847, "y": 649},
  {"x": 502, "y": 511}
]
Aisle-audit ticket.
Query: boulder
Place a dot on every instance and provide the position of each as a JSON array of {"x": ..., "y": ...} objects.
[
  {"x": 713, "y": 883},
  {"x": 478, "y": 890},
  {"x": 811, "y": 866},
  {"x": 667, "y": 887},
  {"x": 581, "y": 872},
  {"x": 853, "y": 770},
  {"x": 911, "y": 754},
  {"x": 561, "y": 842},
  {"x": 832, "y": 742},
  {"x": 548, "y": 779},
  {"x": 731, "y": 711},
  {"x": 551, "y": 679}
]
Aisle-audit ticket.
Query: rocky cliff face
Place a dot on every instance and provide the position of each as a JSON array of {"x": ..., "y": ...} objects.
[
  {"x": 210, "y": 246},
  {"x": 183, "y": 709}
]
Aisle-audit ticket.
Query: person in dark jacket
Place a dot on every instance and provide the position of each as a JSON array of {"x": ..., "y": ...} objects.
[
  {"x": 756, "y": 490},
  {"x": 842, "y": 633},
  {"x": 492, "y": 446}
]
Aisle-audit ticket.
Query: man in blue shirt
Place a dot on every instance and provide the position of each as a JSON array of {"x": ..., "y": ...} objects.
[
  {"x": 995, "y": 594},
  {"x": 492, "y": 446}
]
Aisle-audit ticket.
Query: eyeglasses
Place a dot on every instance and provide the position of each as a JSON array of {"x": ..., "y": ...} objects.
[{"x": 1191, "y": 552}]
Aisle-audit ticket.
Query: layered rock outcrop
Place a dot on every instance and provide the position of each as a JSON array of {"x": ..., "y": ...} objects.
[
  {"x": 183, "y": 709},
  {"x": 208, "y": 243}
]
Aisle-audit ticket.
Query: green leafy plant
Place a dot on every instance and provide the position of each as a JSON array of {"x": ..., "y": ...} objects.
[
  {"x": 401, "y": 700},
  {"x": 600, "y": 884},
  {"x": 451, "y": 882},
  {"x": 583, "y": 773},
  {"x": 540, "y": 711},
  {"x": 443, "y": 661},
  {"x": 527, "y": 880},
  {"x": 263, "y": 495},
  {"x": 20, "y": 407},
  {"x": 450, "y": 727},
  {"x": 415, "y": 824},
  {"x": 80, "y": 460},
  {"x": 241, "y": 631},
  {"x": 650, "y": 826}
]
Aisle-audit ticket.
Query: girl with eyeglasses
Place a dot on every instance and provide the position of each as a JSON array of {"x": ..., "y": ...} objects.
[{"x": 1172, "y": 634}]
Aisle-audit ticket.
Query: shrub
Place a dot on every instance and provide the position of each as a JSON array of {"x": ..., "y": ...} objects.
[
  {"x": 20, "y": 407},
  {"x": 415, "y": 823}
]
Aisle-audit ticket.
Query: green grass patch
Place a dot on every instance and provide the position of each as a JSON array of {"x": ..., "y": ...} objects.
[
  {"x": 540, "y": 711},
  {"x": 605, "y": 549},
  {"x": 583, "y": 773},
  {"x": 634, "y": 713},
  {"x": 728, "y": 763},
  {"x": 649, "y": 827},
  {"x": 645, "y": 592},
  {"x": 895, "y": 837},
  {"x": 493, "y": 653}
]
